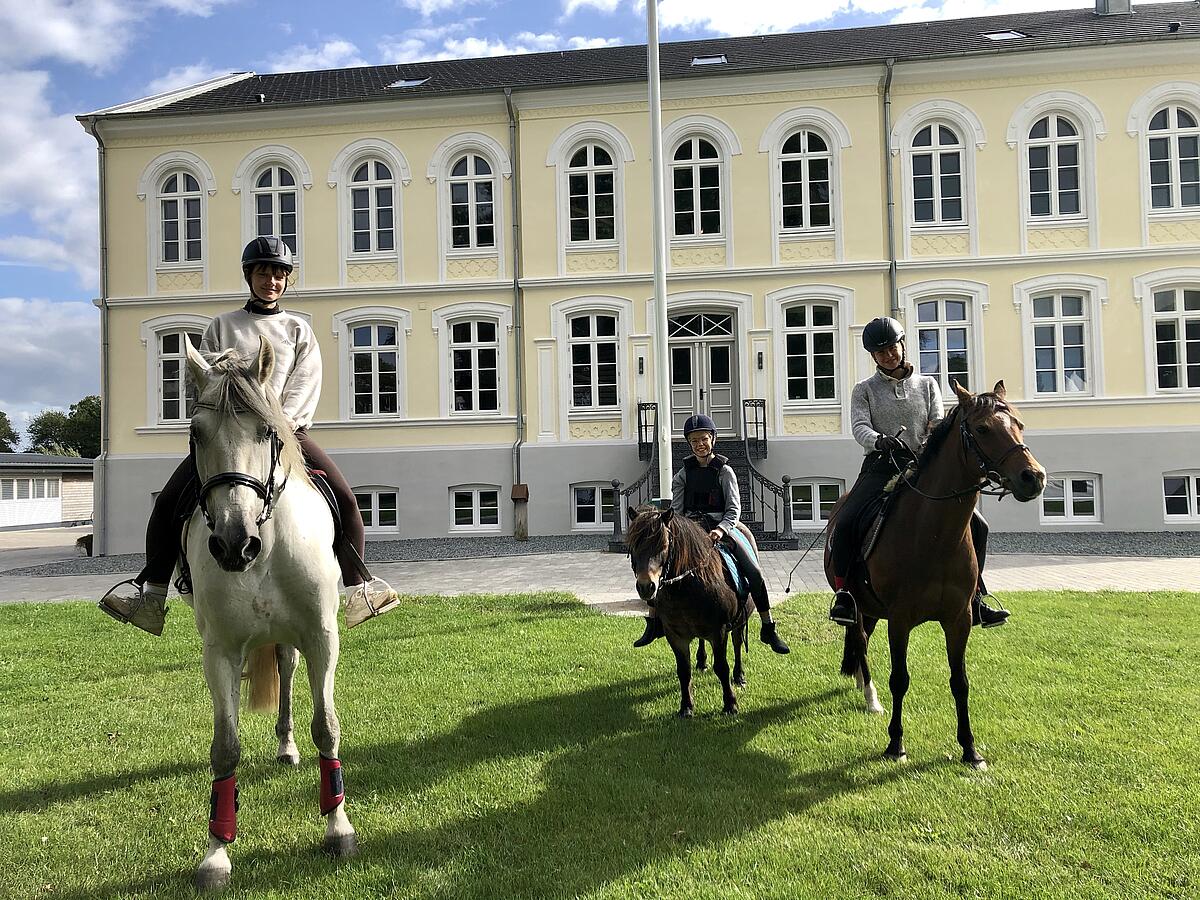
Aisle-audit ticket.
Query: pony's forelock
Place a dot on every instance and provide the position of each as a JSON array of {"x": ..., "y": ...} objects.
[{"x": 691, "y": 547}]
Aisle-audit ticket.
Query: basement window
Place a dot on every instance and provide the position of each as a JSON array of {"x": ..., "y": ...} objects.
[
  {"x": 1004, "y": 35},
  {"x": 408, "y": 82},
  {"x": 718, "y": 60}
]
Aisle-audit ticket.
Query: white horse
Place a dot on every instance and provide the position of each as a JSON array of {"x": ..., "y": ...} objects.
[{"x": 263, "y": 572}]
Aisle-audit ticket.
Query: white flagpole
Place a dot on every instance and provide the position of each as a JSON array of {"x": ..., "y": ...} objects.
[{"x": 662, "y": 365}]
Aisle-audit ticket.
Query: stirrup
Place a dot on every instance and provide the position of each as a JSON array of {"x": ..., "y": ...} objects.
[
  {"x": 842, "y": 616},
  {"x": 993, "y": 618}
]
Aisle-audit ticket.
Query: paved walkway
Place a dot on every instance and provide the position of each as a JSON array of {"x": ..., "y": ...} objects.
[{"x": 603, "y": 580}]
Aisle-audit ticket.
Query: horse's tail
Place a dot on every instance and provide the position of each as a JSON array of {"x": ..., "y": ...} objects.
[
  {"x": 263, "y": 672},
  {"x": 854, "y": 651}
]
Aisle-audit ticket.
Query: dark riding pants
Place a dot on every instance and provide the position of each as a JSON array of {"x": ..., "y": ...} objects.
[
  {"x": 746, "y": 554},
  {"x": 877, "y": 470},
  {"x": 177, "y": 500}
]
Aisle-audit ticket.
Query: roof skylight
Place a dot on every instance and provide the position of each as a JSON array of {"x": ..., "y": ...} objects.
[
  {"x": 718, "y": 60},
  {"x": 1004, "y": 35},
  {"x": 408, "y": 82}
]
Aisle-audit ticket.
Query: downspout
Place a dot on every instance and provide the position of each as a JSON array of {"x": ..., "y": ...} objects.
[
  {"x": 893, "y": 288},
  {"x": 100, "y": 466},
  {"x": 520, "y": 490}
]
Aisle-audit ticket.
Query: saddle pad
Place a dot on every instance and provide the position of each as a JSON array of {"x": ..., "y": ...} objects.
[
  {"x": 741, "y": 586},
  {"x": 874, "y": 515}
]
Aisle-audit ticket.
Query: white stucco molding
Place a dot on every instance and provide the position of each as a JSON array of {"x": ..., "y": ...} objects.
[
  {"x": 701, "y": 124},
  {"x": 445, "y": 152},
  {"x": 600, "y": 132},
  {"x": 1145, "y": 106},
  {"x": 148, "y": 335},
  {"x": 931, "y": 110},
  {"x": 1072, "y": 102},
  {"x": 271, "y": 153},
  {"x": 1095, "y": 293},
  {"x": 339, "y": 168},
  {"x": 343, "y": 323},
  {"x": 164, "y": 162},
  {"x": 828, "y": 123},
  {"x": 502, "y": 314}
]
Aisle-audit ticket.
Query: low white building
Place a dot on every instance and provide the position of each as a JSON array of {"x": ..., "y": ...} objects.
[{"x": 37, "y": 489}]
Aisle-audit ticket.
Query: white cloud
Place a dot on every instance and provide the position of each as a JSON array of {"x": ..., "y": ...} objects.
[
  {"x": 962, "y": 9},
  {"x": 183, "y": 76},
  {"x": 48, "y": 173},
  {"x": 415, "y": 45},
  {"x": 428, "y": 7},
  {"x": 604, "y": 6},
  {"x": 334, "y": 53},
  {"x": 51, "y": 355}
]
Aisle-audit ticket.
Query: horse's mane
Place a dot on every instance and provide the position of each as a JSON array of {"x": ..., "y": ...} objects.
[
  {"x": 232, "y": 390},
  {"x": 982, "y": 403},
  {"x": 691, "y": 546}
]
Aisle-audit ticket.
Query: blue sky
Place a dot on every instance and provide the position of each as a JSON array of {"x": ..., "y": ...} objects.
[{"x": 59, "y": 58}]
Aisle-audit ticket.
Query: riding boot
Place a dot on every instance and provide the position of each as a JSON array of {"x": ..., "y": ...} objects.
[
  {"x": 982, "y": 614},
  {"x": 653, "y": 630},
  {"x": 844, "y": 610},
  {"x": 770, "y": 636},
  {"x": 137, "y": 604}
]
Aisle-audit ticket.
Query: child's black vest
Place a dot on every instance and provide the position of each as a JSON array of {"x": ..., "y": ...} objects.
[{"x": 702, "y": 491}]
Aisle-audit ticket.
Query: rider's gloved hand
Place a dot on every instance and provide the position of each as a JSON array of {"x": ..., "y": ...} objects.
[{"x": 885, "y": 443}]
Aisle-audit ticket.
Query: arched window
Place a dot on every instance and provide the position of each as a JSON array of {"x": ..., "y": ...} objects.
[
  {"x": 180, "y": 216},
  {"x": 696, "y": 188},
  {"x": 474, "y": 366},
  {"x": 805, "y": 179},
  {"x": 1053, "y": 153},
  {"x": 1174, "y": 152},
  {"x": 592, "y": 339},
  {"x": 275, "y": 208},
  {"x": 944, "y": 341},
  {"x": 372, "y": 205},
  {"x": 591, "y": 191},
  {"x": 472, "y": 196},
  {"x": 810, "y": 332},
  {"x": 937, "y": 175}
]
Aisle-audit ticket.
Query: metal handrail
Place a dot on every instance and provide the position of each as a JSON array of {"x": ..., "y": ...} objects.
[
  {"x": 647, "y": 426},
  {"x": 754, "y": 428},
  {"x": 639, "y": 492}
]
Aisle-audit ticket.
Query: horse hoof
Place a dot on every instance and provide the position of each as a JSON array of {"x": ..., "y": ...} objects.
[
  {"x": 740, "y": 681},
  {"x": 342, "y": 846},
  {"x": 701, "y": 667},
  {"x": 979, "y": 765},
  {"x": 211, "y": 879},
  {"x": 896, "y": 757},
  {"x": 288, "y": 759},
  {"x": 876, "y": 709},
  {"x": 730, "y": 710},
  {"x": 685, "y": 713}
]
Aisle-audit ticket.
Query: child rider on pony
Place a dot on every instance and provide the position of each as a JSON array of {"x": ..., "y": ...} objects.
[
  {"x": 706, "y": 490},
  {"x": 266, "y": 265},
  {"x": 896, "y": 397}
]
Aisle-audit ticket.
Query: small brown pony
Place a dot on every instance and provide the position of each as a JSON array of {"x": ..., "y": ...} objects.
[
  {"x": 680, "y": 572},
  {"x": 923, "y": 567}
]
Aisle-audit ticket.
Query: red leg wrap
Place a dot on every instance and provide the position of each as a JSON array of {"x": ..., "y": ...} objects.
[
  {"x": 222, "y": 810},
  {"x": 838, "y": 582},
  {"x": 333, "y": 791}
]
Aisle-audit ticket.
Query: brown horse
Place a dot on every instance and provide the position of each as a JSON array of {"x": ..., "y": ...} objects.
[
  {"x": 680, "y": 573},
  {"x": 923, "y": 567}
]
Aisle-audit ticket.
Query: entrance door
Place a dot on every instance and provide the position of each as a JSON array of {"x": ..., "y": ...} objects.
[{"x": 702, "y": 365}]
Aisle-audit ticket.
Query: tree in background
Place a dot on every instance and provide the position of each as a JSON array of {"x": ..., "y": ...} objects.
[
  {"x": 9, "y": 439},
  {"x": 73, "y": 433}
]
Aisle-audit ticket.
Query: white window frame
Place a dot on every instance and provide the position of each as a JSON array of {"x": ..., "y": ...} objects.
[
  {"x": 1089, "y": 121},
  {"x": 810, "y": 330},
  {"x": 1137, "y": 125},
  {"x": 560, "y": 314},
  {"x": 814, "y": 484},
  {"x": 726, "y": 142},
  {"x": 150, "y": 333},
  {"x": 437, "y": 173},
  {"x": 842, "y": 298},
  {"x": 975, "y": 294},
  {"x": 1144, "y": 287},
  {"x": 344, "y": 323},
  {"x": 1174, "y": 133},
  {"x": 443, "y": 318},
  {"x": 1069, "y": 517},
  {"x": 597, "y": 525},
  {"x": 695, "y": 164},
  {"x": 590, "y": 171},
  {"x": 374, "y": 491},
  {"x": 1095, "y": 296},
  {"x": 559, "y": 156},
  {"x": 341, "y": 170},
  {"x": 1193, "y": 496},
  {"x": 246, "y": 177},
  {"x": 149, "y": 185},
  {"x": 594, "y": 340},
  {"x": 972, "y": 137},
  {"x": 475, "y": 490}
]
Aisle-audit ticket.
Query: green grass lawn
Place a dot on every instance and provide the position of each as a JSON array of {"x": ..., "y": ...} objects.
[{"x": 517, "y": 746}]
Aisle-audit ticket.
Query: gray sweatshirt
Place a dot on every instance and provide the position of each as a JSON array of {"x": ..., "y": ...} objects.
[
  {"x": 733, "y": 497},
  {"x": 296, "y": 379},
  {"x": 882, "y": 404}
]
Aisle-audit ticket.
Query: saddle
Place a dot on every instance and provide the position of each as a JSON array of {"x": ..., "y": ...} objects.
[
  {"x": 741, "y": 585},
  {"x": 875, "y": 514}
]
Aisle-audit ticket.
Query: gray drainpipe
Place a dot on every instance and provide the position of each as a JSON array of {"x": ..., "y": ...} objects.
[
  {"x": 893, "y": 288},
  {"x": 520, "y": 490},
  {"x": 100, "y": 466}
]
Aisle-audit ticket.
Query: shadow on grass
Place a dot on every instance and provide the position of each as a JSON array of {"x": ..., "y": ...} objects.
[
  {"x": 38, "y": 797},
  {"x": 616, "y": 791}
]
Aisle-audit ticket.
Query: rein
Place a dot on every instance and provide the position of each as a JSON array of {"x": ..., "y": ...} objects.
[
  {"x": 990, "y": 475},
  {"x": 266, "y": 490}
]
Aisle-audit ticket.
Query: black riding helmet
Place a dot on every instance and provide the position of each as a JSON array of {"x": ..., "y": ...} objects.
[
  {"x": 268, "y": 250},
  {"x": 700, "y": 423},
  {"x": 881, "y": 333}
]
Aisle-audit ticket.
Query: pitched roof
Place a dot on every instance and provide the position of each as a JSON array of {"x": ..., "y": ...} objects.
[
  {"x": 773, "y": 52},
  {"x": 42, "y": 461}
]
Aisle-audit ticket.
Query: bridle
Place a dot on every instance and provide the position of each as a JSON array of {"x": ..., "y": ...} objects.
[
  {"x": 666, "y": 567},
  {"x": 990, "y": 476},
  {"x": 267, "y": 490}
]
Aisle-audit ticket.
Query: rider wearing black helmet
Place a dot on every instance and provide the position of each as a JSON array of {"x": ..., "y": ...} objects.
[
  {"x": 296, "y": 379},
  {"x": 706, "y": 490},
  {"x": 890, "y": 414}
]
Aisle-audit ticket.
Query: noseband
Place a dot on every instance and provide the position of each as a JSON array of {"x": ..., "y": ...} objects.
[
  {"x": 991, "y": 469},
  {"x": 266, "y": 490}
]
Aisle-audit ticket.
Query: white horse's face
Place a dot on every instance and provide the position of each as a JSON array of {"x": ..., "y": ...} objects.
[{"x": 224, "y": 443}]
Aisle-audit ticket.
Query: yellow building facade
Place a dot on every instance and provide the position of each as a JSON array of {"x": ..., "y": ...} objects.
[{"x": 1045, "y": 231}]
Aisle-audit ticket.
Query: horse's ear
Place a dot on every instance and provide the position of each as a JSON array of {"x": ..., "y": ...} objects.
[
  {"x": 964, "y": 396},
  {"x": 666, "y": 517},
  {"x": 998, "y": 390},
  {"x": 197, "y": 365},
  {"x": 265, "y": 364}
]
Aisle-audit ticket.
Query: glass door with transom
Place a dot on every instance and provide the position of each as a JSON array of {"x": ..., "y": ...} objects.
[{"x": 703, "y": 361}]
